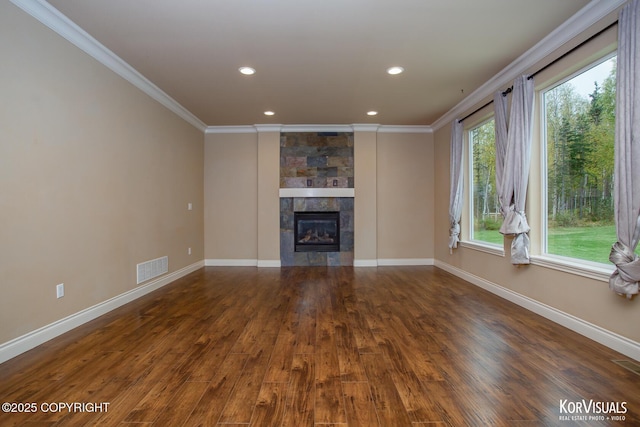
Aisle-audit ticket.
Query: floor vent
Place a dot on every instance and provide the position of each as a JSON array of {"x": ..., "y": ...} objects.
[
  {"x": 627, "y": 364},
  {"x": 154, "y": 268}
]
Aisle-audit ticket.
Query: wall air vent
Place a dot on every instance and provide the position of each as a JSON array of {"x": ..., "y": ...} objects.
[
  {"x": 150, "y": 269},
  {"x": 628, "y": 364}
]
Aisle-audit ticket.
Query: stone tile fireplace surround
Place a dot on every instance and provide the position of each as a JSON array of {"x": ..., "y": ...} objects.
[{"x": 316, "y": 171}]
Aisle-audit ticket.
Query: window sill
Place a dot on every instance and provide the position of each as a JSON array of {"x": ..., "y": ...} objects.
[
  {"x": 596, "y": 271},
  {"x": 591, "y": 270},
  {"x": 482, "y": 247}
]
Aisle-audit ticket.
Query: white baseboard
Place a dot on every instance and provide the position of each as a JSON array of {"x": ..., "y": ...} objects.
[
  {"x": 392, "y": 261},
  {"x": 365, "y": 262},
  {"x": 405, "y": 261},
  {"x": 270, "y": 263},
  {"x": 603, "y": 336},
  {"x": 242, "y": 263},
  {"x": 277, "y": 263},
  {"x": 231, "y": 262},
  {"x": 26, "y": 342}
]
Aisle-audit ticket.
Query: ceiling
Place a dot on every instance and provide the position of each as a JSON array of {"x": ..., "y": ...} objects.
[{"x": 318, "y": 62}]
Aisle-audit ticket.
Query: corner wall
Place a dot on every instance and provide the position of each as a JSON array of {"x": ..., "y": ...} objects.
[
  {"x": 95, "y": 177},
  {"x": 405, "y": 191},
  {"x": 231, "y": 197}
]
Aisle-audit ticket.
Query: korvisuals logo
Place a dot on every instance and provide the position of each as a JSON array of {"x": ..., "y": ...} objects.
[{"x": 592, "y": 410}]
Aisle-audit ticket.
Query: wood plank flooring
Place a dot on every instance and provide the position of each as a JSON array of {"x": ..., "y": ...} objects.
[{"x": 337, "y": 346}]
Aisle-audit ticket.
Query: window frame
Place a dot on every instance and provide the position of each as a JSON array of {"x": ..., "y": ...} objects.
[
  {"x": 578, "y": 266},
  {"x": 470, "y": 241}
]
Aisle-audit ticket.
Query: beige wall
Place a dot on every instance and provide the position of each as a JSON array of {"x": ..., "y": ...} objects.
[
  {"x": 365, "y": 202},
  {"x": 585, "y": 298},
  {"x": 405, "y": 192},
  {"x": 231, "y": 196},
  {"x": 95, "y": 177},
  {"x": 268, "y": 197}
]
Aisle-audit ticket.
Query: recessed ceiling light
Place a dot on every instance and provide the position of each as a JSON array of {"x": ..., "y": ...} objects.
[
  {"x": 247, "y": 71},
  {"x": 395, "y": 70},
  {"x": 269, "y": 113},
  {"x": 372, "y": 113}
]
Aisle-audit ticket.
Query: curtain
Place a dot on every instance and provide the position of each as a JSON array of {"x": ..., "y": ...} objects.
[
  {"x": 625, "y": 278},
  {"x": 456, "y": 183},
  {"x": 515, "y": 174},
  {"x": 500, "y": 124}
]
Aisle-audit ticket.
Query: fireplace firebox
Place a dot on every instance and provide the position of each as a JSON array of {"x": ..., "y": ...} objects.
[{"x": 317, "y": 231}]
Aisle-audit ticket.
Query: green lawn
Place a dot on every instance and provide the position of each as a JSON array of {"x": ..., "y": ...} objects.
[{"x": 588, "y": 243}]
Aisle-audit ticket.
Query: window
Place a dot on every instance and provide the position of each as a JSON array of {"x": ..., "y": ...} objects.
[
  {"x": 579, "y": 128},
  {"x": 485, "y": 207}
]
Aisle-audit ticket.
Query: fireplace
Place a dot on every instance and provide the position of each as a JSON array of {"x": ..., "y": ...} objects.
[{"x": 317, "y": 231}]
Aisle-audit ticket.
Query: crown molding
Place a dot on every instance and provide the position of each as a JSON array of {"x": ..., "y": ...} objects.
[
  {"x": 405, "y": 129},
  {"x": 574, "y": 26},
  {"x": 268, "y": 128},
  {"x": 319, "y": 128},
  {"x": 56, "y": 21},
  {"x": 365, "y": 127},
  {"x": 230, "y": 129}
]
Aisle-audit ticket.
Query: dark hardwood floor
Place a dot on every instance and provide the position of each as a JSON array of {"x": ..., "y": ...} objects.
[{"x": 388, "y": 346}]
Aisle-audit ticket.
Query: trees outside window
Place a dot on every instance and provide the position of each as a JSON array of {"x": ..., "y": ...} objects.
[
  {"x": 485, "y": 209},
  {"x": 579, "y": 130}
]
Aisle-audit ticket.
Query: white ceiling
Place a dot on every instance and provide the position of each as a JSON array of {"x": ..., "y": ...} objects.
[{"x": 318, "y": 62}]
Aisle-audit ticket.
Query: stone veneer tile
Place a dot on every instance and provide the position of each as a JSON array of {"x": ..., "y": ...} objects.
[
  {"x": 326, "y": 172},
  {"x": 346, "y": 203},
  {"x": 296, "y": 162},
  {"x": 340, "y": 161},
  {"x": 286, "y": 247},
  {"x": 317, "y": 161},
  {"x": 347, "y": 172},
  {"x": 345, "y": 140},
  {"x": 319, "y": 182},
  {"x": 300, "y": 151},
  {"x": 331, "y": 153},
  {"x": 346, "y": 241},
  {"x": 288, "y": 172},
  {"x": 346, "y": 221},
  {"x": 286, "y": 203},
  {"x": 307, "y": 172},
  {"x": 321, "y": 204},
  {"x": 293, "y": 182},
  {"x": 286, "y": 220},
  {"x": 333, "y": 259}
]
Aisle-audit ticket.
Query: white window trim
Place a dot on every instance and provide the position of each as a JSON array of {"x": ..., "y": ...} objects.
[
  {"x": 485, "y": 247},
  {"x": 577, "y": 266},
  {"x": 472, "y": 243},
  {"x": 592, "y": 270}
]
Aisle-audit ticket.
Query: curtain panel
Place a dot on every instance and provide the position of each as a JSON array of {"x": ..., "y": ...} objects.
[
  {"x": 515, "y": 173},
  {"x": 500, "y": 125},
  {"x": 626, "y": 276},
  {"x": 456, "y": 184}
]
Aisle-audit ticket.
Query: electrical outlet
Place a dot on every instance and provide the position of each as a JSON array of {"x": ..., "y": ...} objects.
[
  {"x": 60, "y": 290},
  {"x": 189, "y": 206},
  {"x": 189, "y": 251}
]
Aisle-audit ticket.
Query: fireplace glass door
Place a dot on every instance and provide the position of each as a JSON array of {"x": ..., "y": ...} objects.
[{"x": 317, "y": 231}]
